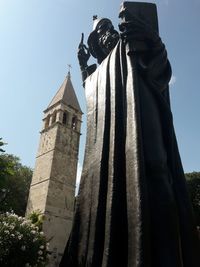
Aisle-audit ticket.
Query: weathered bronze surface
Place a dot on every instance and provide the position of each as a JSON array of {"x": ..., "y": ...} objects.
[{"x": 132, "y": 208}]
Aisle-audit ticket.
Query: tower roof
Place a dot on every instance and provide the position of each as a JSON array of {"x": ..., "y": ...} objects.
[{"x": 66, "y": 95}]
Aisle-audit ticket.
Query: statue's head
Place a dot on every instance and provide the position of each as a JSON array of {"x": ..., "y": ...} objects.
[{"x": 102, "y": 39}]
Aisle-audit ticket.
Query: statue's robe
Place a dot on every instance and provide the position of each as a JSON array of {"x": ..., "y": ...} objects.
[{"x": 132, "y": 208}]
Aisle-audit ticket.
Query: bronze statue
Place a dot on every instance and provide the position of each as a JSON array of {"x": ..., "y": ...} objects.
[{"x": 132, "y": 209}]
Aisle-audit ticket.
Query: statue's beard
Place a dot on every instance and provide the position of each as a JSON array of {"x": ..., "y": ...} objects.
[{"x": 108, "y": 41}]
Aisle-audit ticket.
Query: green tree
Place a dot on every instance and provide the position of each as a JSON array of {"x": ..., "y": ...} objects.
[
  {"x": 15, "y": 181},
  {"x": 6, "y": 166},
  {"x": 1, "y": 144},
  {"x": 193, "y": 182}
]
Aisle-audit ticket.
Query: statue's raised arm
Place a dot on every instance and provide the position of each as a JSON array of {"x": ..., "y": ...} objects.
[{"x": 83, "y": 53}]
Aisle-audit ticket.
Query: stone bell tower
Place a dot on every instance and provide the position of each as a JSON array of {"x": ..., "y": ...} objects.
[{"x": 52, "y": 190}]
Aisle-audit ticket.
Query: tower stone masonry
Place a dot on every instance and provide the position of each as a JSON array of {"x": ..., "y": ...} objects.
[{"x": 52, "y": 190}]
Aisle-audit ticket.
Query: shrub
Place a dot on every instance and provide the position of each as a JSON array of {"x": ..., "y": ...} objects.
[
  {"x": 193, "y": 182},
  {"x": 22, "y": 244}
]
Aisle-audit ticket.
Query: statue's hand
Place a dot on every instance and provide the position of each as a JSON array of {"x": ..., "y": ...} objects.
[
  {"x": 83, "y": 53},
  {"x": 136, "y": 29}
]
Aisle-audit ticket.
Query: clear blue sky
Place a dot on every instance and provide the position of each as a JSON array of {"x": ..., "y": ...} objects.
[{"x": 38, "y": 40}]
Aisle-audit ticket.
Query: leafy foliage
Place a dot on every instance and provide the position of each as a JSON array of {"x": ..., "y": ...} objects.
[
  {"x": 15, "y": 182},
  {"x": 37, "y": 218},
  {"x": 21, "y": 242},
  {"x": 1, "y": 144},
  {"x": 193, "y": 181},
  {"x": 5, "y": 164}
]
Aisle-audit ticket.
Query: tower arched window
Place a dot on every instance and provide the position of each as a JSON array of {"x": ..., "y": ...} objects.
[
  {"x": 74, "y": 122},
  {"x": 65, "y": 117},
  {"x": 54, "y": 116},
  {"x": 47, "y": 120}
]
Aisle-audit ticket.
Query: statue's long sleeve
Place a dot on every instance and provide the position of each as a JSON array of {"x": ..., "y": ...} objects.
[{"x": 156, "y": 67}]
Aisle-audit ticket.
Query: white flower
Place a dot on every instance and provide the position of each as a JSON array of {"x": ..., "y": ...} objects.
[
  {"x": 19, "y": 237},
  {"x": 41, "y": 247},
  {"x": 22, "y": 224},
  {"x": 13, "y": 215},
  {"x": 20, "y": 219},
  {"x": 33, "y": 232},
  {"x": 23, "y": 248},
  {"x": 34, "y": 239},
  {"x": 6, "y": 232},
  {"x": 40, "y": 252},
  {"x": 12, "y": 226}
]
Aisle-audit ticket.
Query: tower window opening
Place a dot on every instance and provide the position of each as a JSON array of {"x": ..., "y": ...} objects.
[
  {"x": 64, "y": 118},
  {"x": 54, "y": 116},
  {"x": 74, "y": 123},
  {"x": 47, "y": 122}
]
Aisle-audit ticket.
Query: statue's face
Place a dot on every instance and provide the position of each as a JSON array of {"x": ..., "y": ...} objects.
[{"x": 108, "y": 36}]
